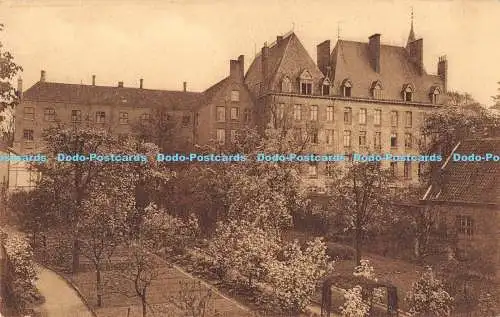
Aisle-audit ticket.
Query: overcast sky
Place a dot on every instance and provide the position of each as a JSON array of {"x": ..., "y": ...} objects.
[{"x": 168, "y": 42}]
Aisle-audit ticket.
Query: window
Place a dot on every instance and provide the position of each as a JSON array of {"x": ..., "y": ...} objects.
[
  {"x": 28, "y": 135},
  {"x": 408, "y": 140},
  {"x": 329, "y": 136},
  {"x": 100, "y": 117},
  {"x": 280, "y": 112},
  {"x": 145, "y": 117},
  {"x": 408, "y": 93},
  {"x": 394, "y": 169},
  {"x": 221, "y": 114},
  {"x": 362, "y": 138},
  {"x": 29, "y": 113},
  {"x": 420, "y": 169},
  {"x": 314, "y": 137},
  {"x": 286, "y": 85},
  {"x": 346, "y": 88},
  {"x": 407, "y": 169},
  {"x": 313, "y": 170},
  {"x": 314, "y": 113},
  {"x": 186, "y": 120},
  {"x": 306, "y": 88},
  {"x": 408, "y": 119},
  {"x": 362, "y": 116},
  {"x": 233, "y": 136},
  {"x": 347, "y": 115},
  {"x": 434, "y": 94},
  {"x": 76, "y": 115},
  {"x": 465, "y": 225},
  {"x": 377, "y": 119},
  {"x": 235, "y": 113},
  {"x": 123, "y": 118},
  {"x": 347, "y": 138},
  {"x": 297, "y": 114},
  {"x": 394, "y": 118},
  {"x": 377, "y": 140},
  {"x": 330, "y": 169},
  {"x": 298, "y": 134},
  {"x": 377, "y": 90},
  {"x": 326, "y": 90},
  {"x": 329, "y": 113},
  {"x": 221, "y": 136},
  {"x": 247, "y": 115},
  {"x": 394, "y": 139},
  {"x": 235, "y": 95},
  {"x": 49, "y": 114}
]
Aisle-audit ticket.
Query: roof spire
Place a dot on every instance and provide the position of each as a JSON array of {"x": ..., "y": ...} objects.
[{"x": 411, "y": 36}]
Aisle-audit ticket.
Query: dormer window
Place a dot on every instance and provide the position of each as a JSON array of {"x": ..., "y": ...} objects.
[
  {"x": 325, "y": 87},
  {"x": 377, "y": 90},
  {"x": 305, "y": 83},
  {"x": 346, "y": 88},
  {"x": 434, "y": 94},
  {"x": 408, "y": 92},
  {"x": 286, "y": 85}
]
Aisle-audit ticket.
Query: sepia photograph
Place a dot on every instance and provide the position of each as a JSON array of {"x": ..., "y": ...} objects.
[{"x": 231, "y": 158}]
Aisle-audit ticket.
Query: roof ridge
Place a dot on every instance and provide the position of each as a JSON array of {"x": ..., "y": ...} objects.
[{"x": 121, "y": 88}]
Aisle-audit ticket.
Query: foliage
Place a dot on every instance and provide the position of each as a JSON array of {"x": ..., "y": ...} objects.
[
  {"x": 428, "y": 297},
  {"x": 354, "y": 305},
  {"x": 295, "y": 275},
  {"x": 496, "y": 99}
]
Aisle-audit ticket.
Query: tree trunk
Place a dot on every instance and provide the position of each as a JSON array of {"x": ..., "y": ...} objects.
[
  {"x": 76, "y": 256},
  {"x": 99, "y": 286},
  {"x": 357, "y": 245},
  {"x": 144, "y": 305}
]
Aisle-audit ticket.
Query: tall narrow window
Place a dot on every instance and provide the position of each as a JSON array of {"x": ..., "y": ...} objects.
[
  {"x": 347, "y": 138},
  {"x": 408, "y": 92},
  {"x": 377, "y": 119},
  {"x": 377, "y": 140},
  {"x": 29, "y": 113},
  {"x": 286, "y": 85},
  {"x": 465, "y": 225},
  {"x": 221, "y": 136},
  {"x": 407, "y": 170},
  {"x": 394, "y": 169},
  {"x": 346, "y": 88},
  {"x": 329, "y": 136},
  {"x": 233, "y": 136},
  {"x": 362, "y": 116},
  {"x": 100, "y": 117},
  {"x": 280, "y": 111},
  {"x": 235, "y": 95},
  {"x": 123, "y": 118},
  {"x": 313, "y": 170},
  {"x": 362, "y": 138},
  {"x": 221, "y": 114},
  {"x": 235, "y": 113},
  {"x": 434, "y": 94},
  {"x": 49, "y": 114},
  {"x": 326, "y": 90},
  {"x": 347, "y": 115},
  {"x": 28, "y": 135},
  {"x": 76, "y": 116},
  {"x": 297, "y": 114},
  {"x": 408, "y": 140},
  {"x": 247, "y": 115},
  {"x": 329, "y": 113},
  {"x": 314, "y": 113},
  {"x": 305, "y": 83},
  {"x": 394, "y": 118},
  {"x": 394, "y": 139},
  {"x": 314, "y": 137},
  {"x": 408, "y": 119},
  {"x": 377, "y": 90}
]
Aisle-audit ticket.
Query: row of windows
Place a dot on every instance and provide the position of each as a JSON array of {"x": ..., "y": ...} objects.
[
  {"x": 100, "y": 116},
  {"x": 393, "y": 169},
  {"x": 313, "y": 115},
  {"x": 234, "y": 114}
]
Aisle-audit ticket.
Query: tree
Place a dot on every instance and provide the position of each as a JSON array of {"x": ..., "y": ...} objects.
[
  {"x": 363, "y": 196},
  {"x": 9, "y": 96},
  {"x": 428, "y": 297},
  {"x": 296, "y": 273},
  {"x": 496, "y": 100}
]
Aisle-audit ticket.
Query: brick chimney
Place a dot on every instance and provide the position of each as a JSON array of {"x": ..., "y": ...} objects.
[
  {"x": 184, "y": 86},
  {"x": 265, "y": 71},
  {"x": 323, "y": 56},
  {"x": 416, "y": 52},
  {"x": 141, "y": 83},
  {"x": 443, "y": 71},
  {"x": 120, "y": 84},
  {"x": 279, "y": 38},
  {"x": 42, "y": 76},
  {"x": 93, "y": 80},
  {"x": 374, "y": 49},
  {"x": 20, "y": 88}
]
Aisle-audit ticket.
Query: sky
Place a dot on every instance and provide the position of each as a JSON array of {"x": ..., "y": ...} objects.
[{"x": 169, "y": 42}]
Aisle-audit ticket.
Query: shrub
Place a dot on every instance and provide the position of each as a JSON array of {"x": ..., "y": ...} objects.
[{"x": 340, "y": 252}]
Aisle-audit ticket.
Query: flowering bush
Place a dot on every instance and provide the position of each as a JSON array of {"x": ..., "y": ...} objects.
[{"x": 354, "y": 305}]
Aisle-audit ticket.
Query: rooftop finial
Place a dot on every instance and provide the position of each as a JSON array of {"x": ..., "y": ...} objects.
[
  {"x": 338, "y": 30},
  {"x": 411, "y": 36},
  {"x": 293, "y": 26}
]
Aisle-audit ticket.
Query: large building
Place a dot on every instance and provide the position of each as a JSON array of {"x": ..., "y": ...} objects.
[{"x": 358, "y": 97}]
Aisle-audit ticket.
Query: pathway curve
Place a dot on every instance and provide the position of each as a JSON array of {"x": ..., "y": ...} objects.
[{"x": 61, "y": 300}]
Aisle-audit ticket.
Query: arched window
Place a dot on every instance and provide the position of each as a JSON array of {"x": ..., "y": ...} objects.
[
  {"x": 408, "y": 91},
  {"x": 346, "y": 88},
  {"x": 377, "y": 90},
  {"x": 305, "y": 83},
  {"x": 434, "y": 94},
  {"x": 286, "y": 85},
  {"x": 325, "y": 87}
]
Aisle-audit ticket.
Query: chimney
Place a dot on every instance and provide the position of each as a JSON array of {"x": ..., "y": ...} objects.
[
  {"x": 141, "y": 82},
  {"x": 241, "y": 62},
  {"x": 443, "y": 71},
  {"x": 323, "y": 56},
  {"x": 264, "y": 61},
  {"x": 120, "y": 84},
  {"x": 374, "y": 49},
  {"x": 93, "y": 80},
  {"x": 416, "y": 52},
  {"x": 279, "y": 38},
  {"x": 42, "y": 76},
  {"x": 184, "y": 86},
  {"x": 20, "y": 88}
]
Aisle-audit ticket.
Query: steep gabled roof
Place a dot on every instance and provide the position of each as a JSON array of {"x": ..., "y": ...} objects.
[
  {"x": 119, "y": 96},
  {"x": 287, "y": 57},
  {"x": 470, "y": 182},
  {"x": 351, "y": 59}
]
